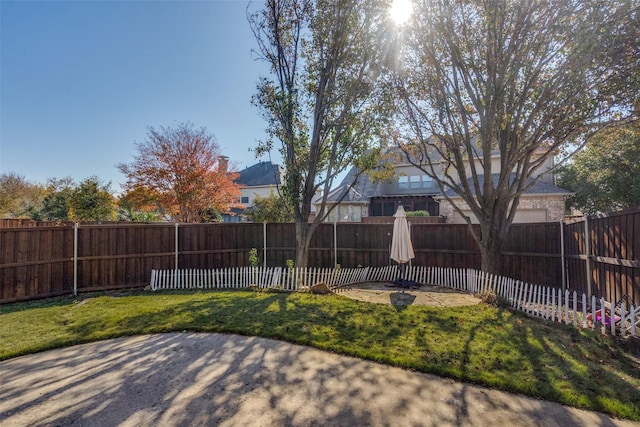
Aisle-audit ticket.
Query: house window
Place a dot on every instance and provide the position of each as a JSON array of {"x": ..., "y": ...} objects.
[
  {"x": 403, "y": 182},
  {"x": 244, "y": 199},
  {"x": 389, "y": 208},
  {"x": 376, "y": 209},
  {"x": 415, "y": 182},
  {"x": 427, "y": 182},
  {"x": 420, "y": 205}
]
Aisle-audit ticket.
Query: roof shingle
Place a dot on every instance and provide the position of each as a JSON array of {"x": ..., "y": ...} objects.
[{"x": 262, "y": 173}]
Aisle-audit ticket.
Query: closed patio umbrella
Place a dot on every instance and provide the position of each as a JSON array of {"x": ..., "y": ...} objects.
[{"x": 401, "y": 247}]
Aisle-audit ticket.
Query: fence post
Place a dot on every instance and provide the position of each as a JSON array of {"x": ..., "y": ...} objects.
[
  {"x": 562, "y": 256},
  {"x": 264, "y": 243},
  {"x": 335, "y": 244},
  {"x": 587, "y": 247},
  {"x": 410, "y": 239},
  {"x": 176, "y": 251},
  {"x": 75, "y": 259}
]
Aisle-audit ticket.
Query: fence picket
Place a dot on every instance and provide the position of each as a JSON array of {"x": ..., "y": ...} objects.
[
  {"x": 613, "y": 321},
  {"x": 575, "y": 308}
]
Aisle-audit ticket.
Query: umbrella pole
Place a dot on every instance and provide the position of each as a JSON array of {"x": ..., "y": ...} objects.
[
  {"x": 410, "y": 239},
  {"x": 401, "y": 269}
]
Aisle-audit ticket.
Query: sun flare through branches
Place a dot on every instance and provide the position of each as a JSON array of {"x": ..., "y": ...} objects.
[{"x": 400, "y": 11}]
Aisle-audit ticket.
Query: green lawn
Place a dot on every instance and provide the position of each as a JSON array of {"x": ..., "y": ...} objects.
[{"x": 480, "y": 344}]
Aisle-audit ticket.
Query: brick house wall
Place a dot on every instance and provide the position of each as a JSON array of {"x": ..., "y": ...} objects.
[{"x": 533, "y": 208}]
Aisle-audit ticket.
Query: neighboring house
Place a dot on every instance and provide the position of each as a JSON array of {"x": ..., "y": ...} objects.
[
  {"x": 260, "y": 179},
  {"x": 542, "y": 202},
  {"x": 416, "y": 191},
  {"x": 409, "y": 187},
  {"x": 257, "y": 180},
  {"x": 353, "y": 206}
]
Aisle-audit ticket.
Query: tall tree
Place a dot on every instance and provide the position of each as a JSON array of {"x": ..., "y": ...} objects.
[
  {"x": 605, "y": 175},
  {"x": 20, "y": 198},
  {"x": 180, "y": 166},
  {"x": 92, "y": 201},
  {"x": 322, "y": 103},
  {"x": 520, "y": 79},
  {"x": 139, "y": 204},
  {"x": 57, "y": 203}
]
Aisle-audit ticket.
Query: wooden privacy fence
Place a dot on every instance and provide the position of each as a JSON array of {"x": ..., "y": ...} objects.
[
  {"x": 38, "y": 262},
  {"x": 602, "y": 255},
  {"x": 546, "y": 302}
]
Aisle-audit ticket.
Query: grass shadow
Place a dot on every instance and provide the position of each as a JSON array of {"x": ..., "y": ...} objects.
[{"x": 480, "y": 344}]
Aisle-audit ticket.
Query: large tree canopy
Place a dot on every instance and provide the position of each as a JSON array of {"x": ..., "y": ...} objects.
[
  {"x": 323, "y": 103},
  {"x": 57, "y": 203},
  {"x": 180, "y": 167},
  {"x": 20, "y": 198},
  {"x": 605, "y": 175},
  {"x": 92, "y": 200},
  {"x": 514, "y": 79},
  {"x": 139, "y": 204}
]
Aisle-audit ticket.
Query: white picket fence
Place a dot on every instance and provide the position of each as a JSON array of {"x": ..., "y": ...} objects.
[
  {"x": 541, "y": 301},
  {"x": 293, "y": 279}
]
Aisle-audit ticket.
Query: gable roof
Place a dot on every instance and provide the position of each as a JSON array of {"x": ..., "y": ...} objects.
[
  {"x": 364, "y": 189},
  {"x": 397, "y": 155},
  {"x": 262, "y": 173}
]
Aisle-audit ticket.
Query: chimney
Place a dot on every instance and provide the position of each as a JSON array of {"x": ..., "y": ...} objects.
[{"x": 223, "y": 164}]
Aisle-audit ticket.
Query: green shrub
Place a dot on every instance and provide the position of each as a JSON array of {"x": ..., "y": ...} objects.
[
  {"x": 418, "y": 213},
  {"x": 254, "y": 261}
]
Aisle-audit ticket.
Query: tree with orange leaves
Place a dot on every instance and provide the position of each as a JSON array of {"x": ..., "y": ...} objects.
[
  {"x": 182, "y": 167},
  {"x": 139, "y": 204}
]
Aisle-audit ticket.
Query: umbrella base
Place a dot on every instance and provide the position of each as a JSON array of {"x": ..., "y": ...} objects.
[{"x": 405, "y": 284}]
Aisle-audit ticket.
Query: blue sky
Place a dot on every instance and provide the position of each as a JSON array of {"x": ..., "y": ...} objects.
[{"x": 82, "y": 80}]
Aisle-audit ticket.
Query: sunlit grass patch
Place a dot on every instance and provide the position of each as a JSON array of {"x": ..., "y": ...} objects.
[{"x": 481, "y": 344}]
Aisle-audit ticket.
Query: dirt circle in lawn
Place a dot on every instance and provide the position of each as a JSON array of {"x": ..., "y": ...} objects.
[{"x": 387, "y": 293}]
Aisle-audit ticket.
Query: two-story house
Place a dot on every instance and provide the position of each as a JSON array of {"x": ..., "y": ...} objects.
[
  {"x": 413, "y": 189},
  {"x": 408, "y": 187},
  {"x": 260, "y": 179}
]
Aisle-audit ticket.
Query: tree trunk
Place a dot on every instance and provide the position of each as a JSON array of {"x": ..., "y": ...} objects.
[
  {"x": 304, "y": 231},
  {"x": 493, "y": 232},
  {"x": 490, "y": 252}
]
